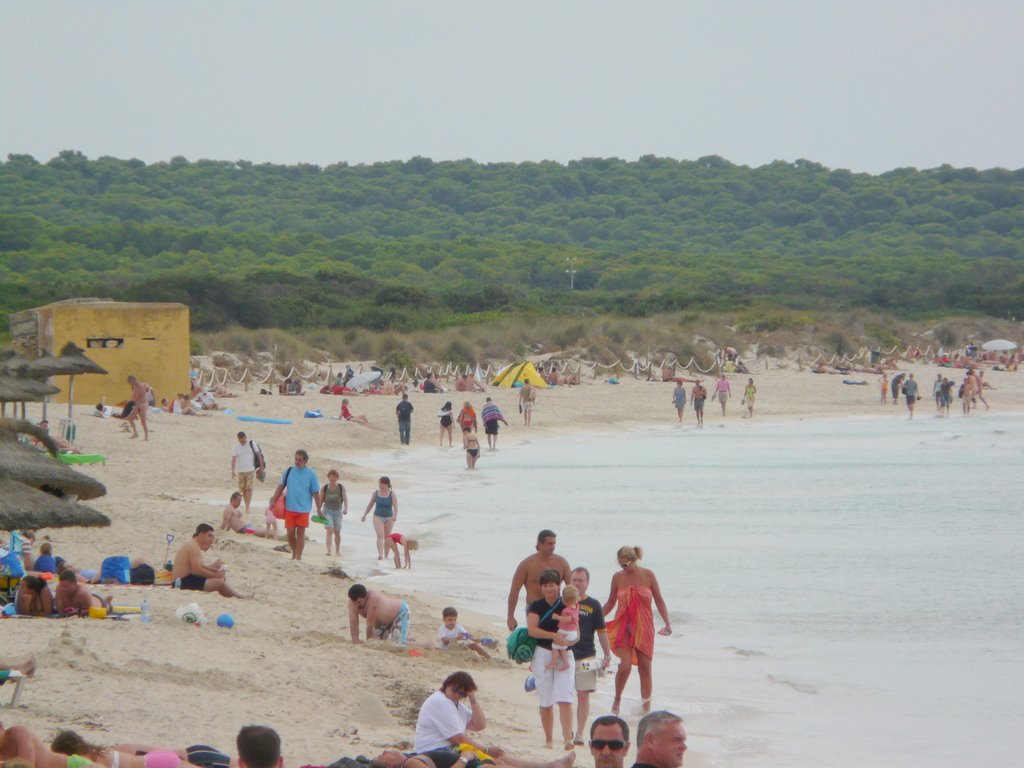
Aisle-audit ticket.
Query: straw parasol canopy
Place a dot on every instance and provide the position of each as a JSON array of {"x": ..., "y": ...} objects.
[
  {"x": 25, "y": 507},
  {"x": 26, "y": 465},
  {"x": 20, "y": 388},
  {"x": 34, "y": 487},
  {"x": 75, "y": 362}
]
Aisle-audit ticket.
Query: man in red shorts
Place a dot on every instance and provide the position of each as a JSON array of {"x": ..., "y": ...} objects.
[{"x": 301, "y": 488}]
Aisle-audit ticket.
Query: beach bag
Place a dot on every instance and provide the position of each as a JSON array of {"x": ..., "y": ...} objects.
[
  {"x": 278, "y": 508},
  {"x": 520, "y": 646},
  {"x": 259, "y": 461},
  {"x": 143, "y": 574},
  {"x": 116, "y": 570}
]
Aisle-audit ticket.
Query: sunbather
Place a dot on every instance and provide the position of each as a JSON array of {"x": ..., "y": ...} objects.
[
  {"x": 33, "y": 597},
  {"x": 70, "y": 743},
  {"x": 75, "y": 597}
]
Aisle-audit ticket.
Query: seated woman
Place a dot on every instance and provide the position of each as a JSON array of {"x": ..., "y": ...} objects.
[
  {"x": 448, "y": 714},
  {"x": 46, "y": 562},
  {"x": 71, "y": 744},
  {"x": 33, "y": 597}
]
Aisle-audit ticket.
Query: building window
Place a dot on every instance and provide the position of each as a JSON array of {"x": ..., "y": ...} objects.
[{"x": 105, "y": 343}]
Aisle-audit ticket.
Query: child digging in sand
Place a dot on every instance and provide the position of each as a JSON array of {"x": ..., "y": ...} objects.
[
  {"x": 452, "y": 632},
  {"x": 395, "y": 540},
  {"x": 568, "y": 627}
]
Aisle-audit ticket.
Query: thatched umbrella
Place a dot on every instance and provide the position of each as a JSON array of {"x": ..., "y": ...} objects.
[
  {"x": 24, "y": 507},
  {"x": 40, "y": 369},
  {"x": 73, "y": 362},
  {"x": 22, "y": 389},
  {"x": 26, "y": 465}
]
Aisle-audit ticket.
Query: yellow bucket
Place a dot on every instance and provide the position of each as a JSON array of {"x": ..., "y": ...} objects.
[{"x": 97, "y": 613}]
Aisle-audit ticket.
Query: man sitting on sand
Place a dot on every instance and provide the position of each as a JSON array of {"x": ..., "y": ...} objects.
[
  {"x": 233, "y": 520},
  {"x": 193, "y": 573},
  {"x": 385, "y": 616},
  {"x": 75, "y": 597}
]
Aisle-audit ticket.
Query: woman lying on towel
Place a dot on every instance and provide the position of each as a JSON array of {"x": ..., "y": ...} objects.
[{"x": 71, "y": 744}]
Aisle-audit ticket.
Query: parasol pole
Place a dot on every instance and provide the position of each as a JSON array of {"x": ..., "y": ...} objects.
[{"x": 71, "y": 395}]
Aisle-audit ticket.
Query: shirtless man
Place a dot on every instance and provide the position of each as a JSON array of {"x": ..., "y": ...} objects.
[
  {"x": 75, "y": 597},
  {"x": 234, "y": 521},
  {"x": 193, "y": 573},
  {"x": 528, "y": 573},
  {"x": 384, "y": 615},
  {"x": 141, "y": 398}
]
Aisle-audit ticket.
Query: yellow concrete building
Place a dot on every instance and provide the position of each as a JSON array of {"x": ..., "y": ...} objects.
[{"x": 149, "y": 341}]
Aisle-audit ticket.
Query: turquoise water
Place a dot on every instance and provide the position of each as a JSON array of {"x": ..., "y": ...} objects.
[{"x": 840, "y": 591}]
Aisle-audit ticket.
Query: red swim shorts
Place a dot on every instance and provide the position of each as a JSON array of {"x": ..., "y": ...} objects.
[{"x": 296, "y": 519}]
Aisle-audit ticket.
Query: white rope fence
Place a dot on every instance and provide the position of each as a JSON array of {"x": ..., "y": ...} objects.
[{"x": 323, "y": 374}]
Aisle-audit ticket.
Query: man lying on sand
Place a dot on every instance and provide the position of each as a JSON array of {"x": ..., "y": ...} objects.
[
  {"x": 193, "y": 573},
  {"x": 74, "y": 597}
]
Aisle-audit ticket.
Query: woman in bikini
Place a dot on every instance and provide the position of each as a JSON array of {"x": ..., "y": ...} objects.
[
  {"x": 631, "y": 632},
  {"x": 76, "y": 748}
]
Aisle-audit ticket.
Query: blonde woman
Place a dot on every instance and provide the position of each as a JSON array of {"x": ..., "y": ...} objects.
[{"x": 631, "y": 631}]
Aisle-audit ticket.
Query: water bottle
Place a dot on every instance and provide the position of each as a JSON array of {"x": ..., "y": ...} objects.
[
  {"x": 144, "y": 615},
  {"x": 177, "y": 583}
]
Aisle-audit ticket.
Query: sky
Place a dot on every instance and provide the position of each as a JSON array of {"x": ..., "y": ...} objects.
[{"x": 868, "y": 85}]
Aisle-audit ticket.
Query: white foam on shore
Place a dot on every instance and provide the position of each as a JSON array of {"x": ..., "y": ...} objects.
[{"x": 866, "y": 567}]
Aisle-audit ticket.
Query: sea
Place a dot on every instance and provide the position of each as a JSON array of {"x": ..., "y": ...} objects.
[{"x": 842, "y": 592}]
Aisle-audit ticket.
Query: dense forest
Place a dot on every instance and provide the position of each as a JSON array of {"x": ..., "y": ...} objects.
[{"x": 421, "y": 244}]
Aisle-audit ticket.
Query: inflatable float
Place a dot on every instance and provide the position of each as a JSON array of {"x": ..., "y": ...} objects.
[{"x": 264, "y": 419}]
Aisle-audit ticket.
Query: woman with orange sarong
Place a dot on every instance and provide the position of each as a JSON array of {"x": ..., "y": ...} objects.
[{"x": 631, "y": 632}]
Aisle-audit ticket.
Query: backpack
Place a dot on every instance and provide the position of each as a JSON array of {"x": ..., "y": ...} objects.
[
  {"x": 259, "y": 461},
  {"x": 143, "y": 574},
  {"x": 520, "y": 645}
]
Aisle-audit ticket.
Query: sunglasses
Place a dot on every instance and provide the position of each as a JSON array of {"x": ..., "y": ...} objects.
[{"x": 614, "y": 745}]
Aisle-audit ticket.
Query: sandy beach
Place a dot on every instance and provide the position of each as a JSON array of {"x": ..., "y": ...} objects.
[{"x": 288, "y": 661}]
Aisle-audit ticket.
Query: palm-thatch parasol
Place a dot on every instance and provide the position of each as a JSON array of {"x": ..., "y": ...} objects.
[
  {"x": 21, "y": 389},
  {"x": 24, "y": 475},
  {"x": 27, "y": 465},
  {"x": 24, "y": 507},
  {"x": 73, "y": 361}
]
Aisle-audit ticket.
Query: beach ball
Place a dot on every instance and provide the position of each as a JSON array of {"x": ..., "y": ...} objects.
[{"x": 226, "y": 620}]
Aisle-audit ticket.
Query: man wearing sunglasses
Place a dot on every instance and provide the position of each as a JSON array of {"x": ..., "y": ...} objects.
[{"x": 609, "y": 741}]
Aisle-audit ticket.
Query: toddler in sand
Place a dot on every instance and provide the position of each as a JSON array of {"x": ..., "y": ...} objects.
[
  {"x": 451, "y": 631},
  {"x": 568, "y": 627}
]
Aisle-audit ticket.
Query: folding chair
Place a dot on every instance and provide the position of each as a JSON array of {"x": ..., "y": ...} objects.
[{"x": 18, "y": 679}]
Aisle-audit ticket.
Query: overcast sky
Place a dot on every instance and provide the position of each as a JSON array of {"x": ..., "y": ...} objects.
[{"x": 868, "y": 85}]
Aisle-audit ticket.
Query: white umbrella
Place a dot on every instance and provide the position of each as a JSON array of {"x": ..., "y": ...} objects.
[{"x": 998, "y": 345}]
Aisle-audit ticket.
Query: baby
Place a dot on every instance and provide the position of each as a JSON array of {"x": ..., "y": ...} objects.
[
  {"x": 568, "y": 627},
  {"x": 451, "y": 630}
]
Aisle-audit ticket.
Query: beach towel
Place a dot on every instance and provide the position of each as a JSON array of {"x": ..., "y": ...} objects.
[{"x": 633, "y": 625}]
